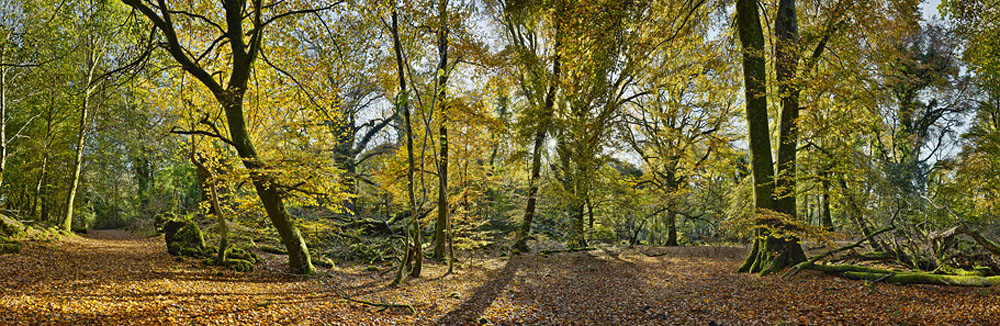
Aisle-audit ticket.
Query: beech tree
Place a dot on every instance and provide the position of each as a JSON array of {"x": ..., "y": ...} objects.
[{"x": 242, "y": 55}]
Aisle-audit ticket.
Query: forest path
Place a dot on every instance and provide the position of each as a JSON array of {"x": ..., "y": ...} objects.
[{"x": 116, "y": 278}]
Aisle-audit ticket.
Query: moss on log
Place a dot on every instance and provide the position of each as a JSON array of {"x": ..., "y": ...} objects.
[
  {"x": 925, "y": 278},
  {"x": 905, "y": 277}
]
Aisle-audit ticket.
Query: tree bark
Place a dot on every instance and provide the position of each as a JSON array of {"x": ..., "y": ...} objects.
[{"x": 671, "y": 228}]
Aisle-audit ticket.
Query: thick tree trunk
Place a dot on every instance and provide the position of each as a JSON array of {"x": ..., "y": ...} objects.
[
  {"x": 671, "y": 185},
  {"x": 298, "y": 254},
  {"x": 768, "y": 254},
  {"x": 590, "y": 213},
  {"x": 786, "y": 65},
  {"x": 671, "y": 228},
  {"x": 442, "y": 73},
  {"x": 521, "y": 243}
]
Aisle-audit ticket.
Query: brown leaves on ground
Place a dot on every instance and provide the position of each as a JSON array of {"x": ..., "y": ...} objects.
[{"x": 113, "y": 278}]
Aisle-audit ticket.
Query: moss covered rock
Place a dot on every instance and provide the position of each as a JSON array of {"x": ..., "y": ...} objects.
[
  {"x": 9, "y": 247},
  {"x": 161, "y": 219},
  {"x": 10, "y": 227},
  {"x": 183, "y": 238}
]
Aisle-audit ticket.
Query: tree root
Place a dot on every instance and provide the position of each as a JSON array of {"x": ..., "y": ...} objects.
[{"x": 382, "y": 306}]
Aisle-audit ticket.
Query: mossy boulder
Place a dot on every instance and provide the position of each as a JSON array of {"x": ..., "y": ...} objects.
[
  {"x": 183, "y": 238},
  {"x": 9, "y": 246},
  {"x": 10, "y": 227},
  {"x": 160, "y": 219}
]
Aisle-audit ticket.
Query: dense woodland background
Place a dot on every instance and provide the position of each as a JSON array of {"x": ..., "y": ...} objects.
[{"x": 397, "y": 133}]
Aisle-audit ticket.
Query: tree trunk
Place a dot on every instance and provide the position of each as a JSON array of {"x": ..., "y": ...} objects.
[
  {"x": 67, "y": 223},
  {"x": 442, "y": 73},
  {"x": 403, "y": 104},
  {"x": 768, "y": 254},
  {"x": 590, "y": 213},
  {"x": 521, "y": 243},
  {"x": 671, "y": 228},
  {"x": 786, "y": 30},
  {"x": 3, "y": 120},
  {"x": 298, "y": 254},
  {"x": 210, "y": 182},
  {"x": 826, "y": 218}
]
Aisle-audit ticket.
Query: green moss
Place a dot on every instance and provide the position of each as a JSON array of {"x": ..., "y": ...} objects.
[
  {"x": 273, "y": 250},
  {"x": 242, "y": 254},
  {"x": 10, "y": 227},
  {"x": 10, "y": 248},
  {"x": 238, "y": 265},
  {"x": 183, "y": 238}
]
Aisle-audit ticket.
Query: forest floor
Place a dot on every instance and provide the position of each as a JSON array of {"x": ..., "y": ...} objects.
[{"x": 116, "y": 278}]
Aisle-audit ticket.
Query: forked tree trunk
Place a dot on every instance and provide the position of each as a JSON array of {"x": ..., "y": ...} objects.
[{"x": 768, "y": 254}]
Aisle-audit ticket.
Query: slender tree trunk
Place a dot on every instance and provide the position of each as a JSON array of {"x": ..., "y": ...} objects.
[
  {"x": 38, "y": 185},
  {"x": 521, "y": 244},
  {"x": 210, "y": 182},
  {"x": 442, "y": 73},
  {"x": 3, "y": 120},
  {"x": 403, "y": 104},
  {"x": 67, "y": 224},
  {"x": 824, "y": 210},
  {"x": 768, "y": 254},
  {"x": 590, "y": 213}
]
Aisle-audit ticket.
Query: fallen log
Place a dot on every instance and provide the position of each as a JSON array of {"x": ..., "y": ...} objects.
[
  {"x": 556, "y": 251},
  {"x": 863, "y": 273},
  {"x": 812, "y": 261},
  {"x": 925, "y": 278}
]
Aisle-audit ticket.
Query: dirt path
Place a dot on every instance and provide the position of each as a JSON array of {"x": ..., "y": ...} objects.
[{"x": 114, "y": 278}]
